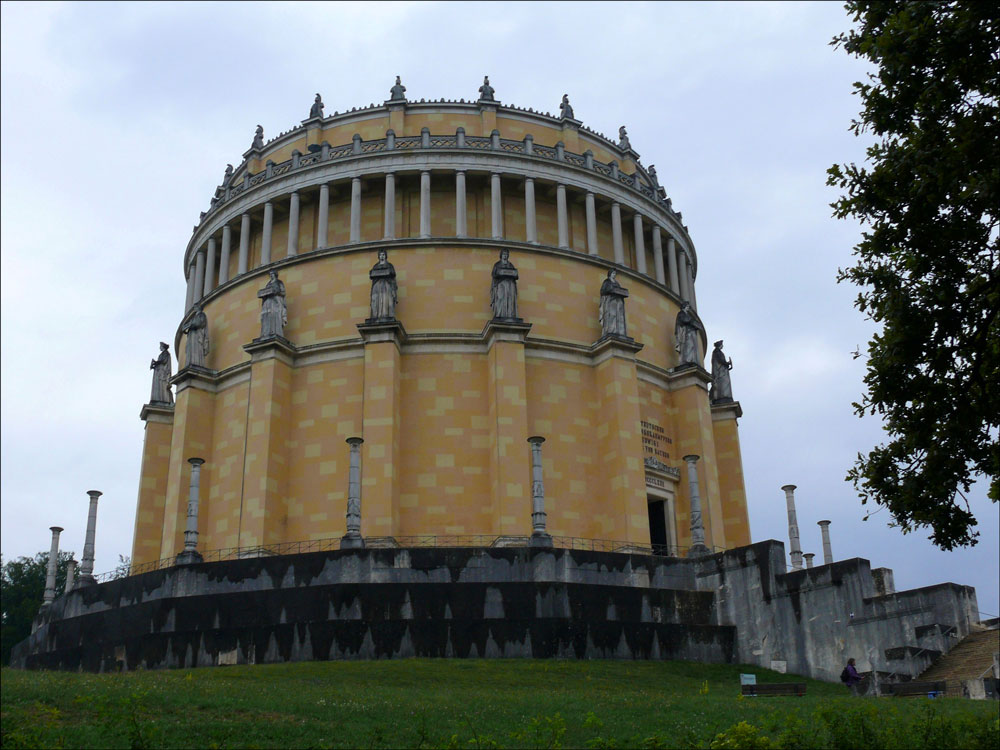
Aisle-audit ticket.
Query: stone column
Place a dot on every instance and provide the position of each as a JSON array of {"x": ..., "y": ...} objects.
[
  {"x": 189, "y": 297},
  {"x": 809, "y": 559},
  {"x": 425, "y": 204},
  {"x": 356, "y": 209},
  {"x": 199, "y": 275},
  {"x": 353, "y": 539},
  {"x": 190, "y": 552},
  {"x": 661, "y": 277},
  {"x": 616, "y": 232},
  {"x": 70, "y": 575},
  {"x": 640, "y": 243},
  {"x": 50, "y": 572},
  {"x": 293, "y": 226},
  {"x": 827, "y": 549},
  {"x": 87, "y": 561},
  {"x": 690, "y": 284},
  {"x": 496, "y": 208},
  {"x": 243, "y": 262},
  {"x": 539, "y": 537},
  {"x": 265, "y": 240},
  {"x": 697, "y": 525},
  {"x": 530, "y": 220},
  {"x": 390, "y": 206},
  {"x": 461, "y": 213},
  {"x": 227, "y": 247},
  {"x": 675, "y": 285},
  {"x": 795, "y": 552},
  {"x": 323, "y": 216},
  {"x": 591, "y": 224},
  {"x": 210, "y": 268},
  {"x": 562, "y": 220},
  {"x": 682, "y": 271}
]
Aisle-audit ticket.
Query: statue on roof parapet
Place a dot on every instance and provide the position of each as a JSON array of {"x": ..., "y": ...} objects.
[
  {"x": 398, "y": 92},
  {"x": 565, "y": 109},
  {"x": 317, "y": 108},
  {"x": 258, "y": 138},
  {"x": 486, "y": 92},
  {"x": 623, "y": 142}
]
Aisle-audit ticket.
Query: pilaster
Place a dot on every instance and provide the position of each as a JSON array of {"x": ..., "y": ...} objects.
[
  {"x": 265, "y": 472},
  {"x": 380, "y": 426},
  {"x": 729, "y": 463},
  {"x": 695, "y": 435},
  {"x": 507, "y": 392},
  {"x": 148, "y": 534},
  {"x": 619, "y": 437}
]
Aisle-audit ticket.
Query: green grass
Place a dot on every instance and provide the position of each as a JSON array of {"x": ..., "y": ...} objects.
[{"x": 468, "y": 704}]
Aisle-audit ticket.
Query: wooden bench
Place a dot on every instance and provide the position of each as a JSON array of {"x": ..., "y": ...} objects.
[
  {"x": 774, "y": 688},
  {"x": 902, "y": 689}
]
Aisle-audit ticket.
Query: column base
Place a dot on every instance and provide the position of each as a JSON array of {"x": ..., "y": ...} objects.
[
  {"x": 189, "y": 557},
  {"x": 698, "y": 550},
  {"x": 540, "y": 539},
  {"x": 352, "y": 541},
  {"x": 82, "y": 581}
]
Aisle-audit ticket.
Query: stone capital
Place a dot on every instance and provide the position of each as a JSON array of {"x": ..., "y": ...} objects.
[
  {"x": 272, "y": 347},
  {"x": 687, "y": 376},
  {"x": 505, "y": 329},
  {"x": 726, "y": 410},
  {"x": 194, "y": 377},
  {"x": 606, "y": 347},
  {"x": 162, "y": 413},
  {"x": 376, "y": 331}
]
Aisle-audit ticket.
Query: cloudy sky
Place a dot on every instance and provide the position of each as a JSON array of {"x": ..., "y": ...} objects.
[{"x": 118, "y": 121}]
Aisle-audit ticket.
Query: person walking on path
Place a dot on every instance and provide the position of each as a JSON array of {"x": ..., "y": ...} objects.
[{"x": 850, "y": 677}]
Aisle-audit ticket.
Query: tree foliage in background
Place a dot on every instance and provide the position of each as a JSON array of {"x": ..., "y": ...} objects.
[
  {"x": 927, "y": 262},
  {"x": 22, "y": 585}
]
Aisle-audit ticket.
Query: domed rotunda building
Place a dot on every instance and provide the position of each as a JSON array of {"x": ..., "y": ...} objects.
[{"x": 446, "y": 389}]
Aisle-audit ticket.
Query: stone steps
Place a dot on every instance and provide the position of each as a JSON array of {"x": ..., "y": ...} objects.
[{"x": 968, "y": 660}]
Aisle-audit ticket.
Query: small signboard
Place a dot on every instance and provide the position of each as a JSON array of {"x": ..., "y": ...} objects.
[{"x": 748, "y": 679}]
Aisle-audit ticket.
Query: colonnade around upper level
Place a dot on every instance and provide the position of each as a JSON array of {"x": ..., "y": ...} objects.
[{"x": 433, "y": 186}]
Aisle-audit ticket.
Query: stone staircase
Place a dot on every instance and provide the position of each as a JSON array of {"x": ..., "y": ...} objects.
[{"x": 968, "y": 660}]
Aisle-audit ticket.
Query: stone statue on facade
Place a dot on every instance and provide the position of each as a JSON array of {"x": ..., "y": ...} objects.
[
  {"x": 228, "y": 176},
  {"x": 258, "y": 138},
  {"x": 686, "y": 329},
  {"x": 161, "y": 377},
  {"x": 503, "y": 291},
  {"x": 383, "y": 276},
  {"x": 486, "y": 91},
  {"x": 565, "y": 110},
  {"x": 722, "y": 388},
  {"x": 652, "y": 176},
  {"x": 612, "y": 311},
  {"x": 623, "y": 142},
  {"x": 196, "y": 343},
  {"x": 398, "y": 92},
  {"x": 273, "y": 310},
  {"x": 316, "y": 110}
]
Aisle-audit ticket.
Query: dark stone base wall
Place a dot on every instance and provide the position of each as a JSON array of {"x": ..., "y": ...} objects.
[{"x": 372, "y": 604}]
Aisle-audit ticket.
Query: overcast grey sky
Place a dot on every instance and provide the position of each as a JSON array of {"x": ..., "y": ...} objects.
[{"x": 118, "y": 121}]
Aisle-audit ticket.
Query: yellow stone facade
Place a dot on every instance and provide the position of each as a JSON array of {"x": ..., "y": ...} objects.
[{"x": 446, "y": 399}]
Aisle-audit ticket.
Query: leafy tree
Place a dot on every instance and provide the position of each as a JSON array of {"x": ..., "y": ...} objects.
[
  {"x": 927, "y": 262},
  {"x": 22, "y": 586}
]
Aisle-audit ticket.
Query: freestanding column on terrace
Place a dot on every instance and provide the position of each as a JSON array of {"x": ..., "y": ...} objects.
[
  {"x": 352, "y": 539},
  {"x": 530, "y": 220},
  {"x": 809, "y": 559},
  {"x": 698, "y": 546},
  {"x": 539, "y": 536},
  {"x": 210, "y": 268},
  {"x": 827, "y": 549},
  {"x": 190, "y": 552},
  {"x": 793, "y": 528},
  {"x": 356, "y": 209},
  {"x": 461, "y": 214},
  {"x": 265, "y": 240},
  {"x": 50, "y": 572},
  {"x": 496, "y": 208},
  {"x": 293, "y": 225},
  {"x": 70, "y": 575},
  {"x": 661, "y": 277},
  {"x": 87, "y": 561},
  {"x": 591, "y": 210},
  {"x": 390, "y": 206},
  {"x": 562, "y": 220},
  {"x": 425, "y": 204},
  {"x": 199, "y": 275},
  {"x": 675, "y": 284},
  {"x": 322, "y": 216},
  {"x": 640, "y": 243},
  {"x": 243, "y": 262},
  {"x": 616, "y": 233},
  {"x": 227, "y": 248}
]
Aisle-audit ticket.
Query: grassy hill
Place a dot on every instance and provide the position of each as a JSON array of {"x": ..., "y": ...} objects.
[{"x": 469, "y": 704}]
